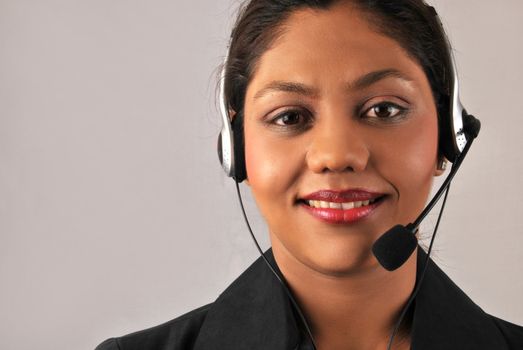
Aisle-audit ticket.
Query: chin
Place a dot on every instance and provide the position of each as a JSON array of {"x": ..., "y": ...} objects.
[{"x": 341, "y": 259}]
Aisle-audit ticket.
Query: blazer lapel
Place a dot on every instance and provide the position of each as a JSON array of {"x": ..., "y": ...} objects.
[
  {"x": 445, "y": 318},
  {"x": 253, "y": 313}
]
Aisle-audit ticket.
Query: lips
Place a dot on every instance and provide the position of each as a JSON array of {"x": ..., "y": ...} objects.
[{"x": 341, "y": 207}]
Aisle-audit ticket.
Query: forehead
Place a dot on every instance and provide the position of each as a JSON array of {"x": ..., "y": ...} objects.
[{"x": 340, "y": 40}]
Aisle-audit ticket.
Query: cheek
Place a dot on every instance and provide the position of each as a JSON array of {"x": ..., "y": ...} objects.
[
  {"x": 410, "y": 165},
  {"x": 262, "y": 163},
  {"x": 273, "y": 167},
  {"x": 416, "y": 154}
]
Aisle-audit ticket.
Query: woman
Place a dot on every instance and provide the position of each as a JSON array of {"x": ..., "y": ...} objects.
[{"x": 338, "y": 108}]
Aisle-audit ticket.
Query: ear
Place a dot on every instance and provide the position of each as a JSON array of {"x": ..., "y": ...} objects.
[
  {"x": 441, "y": 166},
  {"x": 232, "y": 114}
]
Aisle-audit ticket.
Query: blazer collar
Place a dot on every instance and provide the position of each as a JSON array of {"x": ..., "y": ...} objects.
[
  {"x": 254, "y": 313},
  {"x": 446, "y": 318}
]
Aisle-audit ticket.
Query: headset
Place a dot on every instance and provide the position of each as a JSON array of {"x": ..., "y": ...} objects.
[
  {"x": 230, "y": 141},
  {"x": 457, "y": 131}
]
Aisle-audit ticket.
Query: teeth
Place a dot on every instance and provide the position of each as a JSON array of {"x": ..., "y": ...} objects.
[
  {"x": 344, "y": 206},
  {"x": 335, "y": 205}
]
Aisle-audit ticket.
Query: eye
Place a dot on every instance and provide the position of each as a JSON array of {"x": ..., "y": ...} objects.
[
  {"x": 384, "y": 110},
  {"x": 289, "y": 118}
]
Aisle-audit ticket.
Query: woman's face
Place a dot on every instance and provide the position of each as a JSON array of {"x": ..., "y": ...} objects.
[{"x": 341, "y": 138}]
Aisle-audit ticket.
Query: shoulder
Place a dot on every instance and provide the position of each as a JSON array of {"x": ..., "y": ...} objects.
[
  {"x": 512, "y": 333},
  {"x": 445, "y": 317},
  {"x": 180, "y": 333}
]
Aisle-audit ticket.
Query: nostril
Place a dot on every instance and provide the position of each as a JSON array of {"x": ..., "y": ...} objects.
[
  {"x": 332, "y": 169},
  {"x": 324, "y": 162},
  {"x": 330, "y": 153}
]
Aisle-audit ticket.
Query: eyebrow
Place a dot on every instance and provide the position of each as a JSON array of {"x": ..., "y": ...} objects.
[
  {"x": 360, "y": 83},
  {"x": 286, "y": 86},
  {"x": 373, "y": 77}
]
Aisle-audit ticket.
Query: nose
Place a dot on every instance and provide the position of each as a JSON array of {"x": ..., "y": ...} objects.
[{"x": 338, "y": 145}]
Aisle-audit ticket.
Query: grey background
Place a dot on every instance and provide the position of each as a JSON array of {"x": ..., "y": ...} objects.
[{"x": 114, "y": 212}]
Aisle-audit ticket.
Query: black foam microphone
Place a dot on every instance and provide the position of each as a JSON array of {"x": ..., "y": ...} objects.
[{"x": 396, "y": 245}]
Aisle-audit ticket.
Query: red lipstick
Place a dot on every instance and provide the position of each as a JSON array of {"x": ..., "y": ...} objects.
[{"x": 341, "y": 207}]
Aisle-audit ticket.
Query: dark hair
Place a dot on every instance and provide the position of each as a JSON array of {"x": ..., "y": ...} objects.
[{"x": 411, "y": 23}]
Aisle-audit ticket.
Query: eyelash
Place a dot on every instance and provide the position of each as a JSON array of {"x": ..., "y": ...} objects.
[
  {"x": 304, "y": 124},
  {"x": 401, "y": 111},
  {"x": 301, "y": 114}
]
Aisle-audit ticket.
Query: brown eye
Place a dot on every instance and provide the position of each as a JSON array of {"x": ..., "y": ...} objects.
[
  {"x": 292, "y": 121},
  {"x": 289, "y": 118},
  {"x": 384, "y": 111}
]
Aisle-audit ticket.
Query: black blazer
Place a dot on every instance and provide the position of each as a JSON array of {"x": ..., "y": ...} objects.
[{"x": 254, "y": 313}]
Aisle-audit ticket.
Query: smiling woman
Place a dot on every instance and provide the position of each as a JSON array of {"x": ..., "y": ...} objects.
[
  {"x": 341, "y": 118},
  {"x": 366, "y": 129}
]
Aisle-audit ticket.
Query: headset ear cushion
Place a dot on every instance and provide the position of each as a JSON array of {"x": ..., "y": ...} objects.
[
  {"x": 219, "y": 148},
  {"x": 240, "y": 171},
  {"x": 446, "y": 137},
  {"x": 446, "y": 144}
]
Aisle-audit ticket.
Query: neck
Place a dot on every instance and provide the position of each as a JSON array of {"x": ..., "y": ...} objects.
[{"x": 357, "y": 310}]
